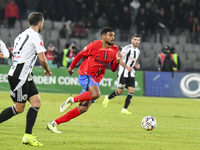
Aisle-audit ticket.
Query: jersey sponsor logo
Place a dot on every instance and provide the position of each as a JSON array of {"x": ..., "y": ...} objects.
[
  {"x": 123, "y": 52},
  {"x": 134, "y": 59},
  {"x": 41, "y": 43},
  {"x": 17, "y": 56},
  {"x": 104, "y": 49},
  {"x": 101, "y": 62}
]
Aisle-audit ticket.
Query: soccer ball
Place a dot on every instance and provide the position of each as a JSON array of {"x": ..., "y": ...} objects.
[{"x": 148, "y": 123}]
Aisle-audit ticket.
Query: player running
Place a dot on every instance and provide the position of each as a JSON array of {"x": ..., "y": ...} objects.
[
  {"x": 98, "y": 55},
  {"x": 27, "y": 47}
]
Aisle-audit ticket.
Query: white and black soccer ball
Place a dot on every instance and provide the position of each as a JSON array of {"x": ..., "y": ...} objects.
[{"x": 148, "y": 123}]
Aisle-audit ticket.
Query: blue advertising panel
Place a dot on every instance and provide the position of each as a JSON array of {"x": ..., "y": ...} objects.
[{"x": 162, "y": 84}]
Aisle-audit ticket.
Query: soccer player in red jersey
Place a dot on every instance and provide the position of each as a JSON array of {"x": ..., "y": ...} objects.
[{"x": 98, "y": 55}]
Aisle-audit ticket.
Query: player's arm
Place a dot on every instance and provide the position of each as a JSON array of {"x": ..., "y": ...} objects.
[
  {"x": 137, "y": 65},
  {"x": 84, "y": 53},
  {"x": 44, "y": 63},
  {"x": 125, "y": 66},
  {"x": 115, "y": 62},
  {"x": 78, "y": 57},
  {"x": 4, "y": 53}
]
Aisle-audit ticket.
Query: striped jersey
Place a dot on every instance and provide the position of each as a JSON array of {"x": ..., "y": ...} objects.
[
  {"x": 26, "y": 47},
  {"x": 129, "y": 57},
  {"x": 4, "y": 50}
]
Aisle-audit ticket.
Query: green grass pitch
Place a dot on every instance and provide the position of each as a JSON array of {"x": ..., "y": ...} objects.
[{"x": 178, "y": 125}]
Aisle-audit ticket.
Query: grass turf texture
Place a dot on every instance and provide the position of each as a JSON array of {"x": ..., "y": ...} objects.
[{"x": 105, "y": 128}]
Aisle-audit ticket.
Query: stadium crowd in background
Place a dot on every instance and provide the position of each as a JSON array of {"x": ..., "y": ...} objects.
[
  {"x": 177, "y": 14},
  {"x": 83, "y": 18}
]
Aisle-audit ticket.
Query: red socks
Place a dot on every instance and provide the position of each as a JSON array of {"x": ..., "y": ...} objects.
[
  {"x": 68, "y": 116},
  {"x": 82, "y": 97}
]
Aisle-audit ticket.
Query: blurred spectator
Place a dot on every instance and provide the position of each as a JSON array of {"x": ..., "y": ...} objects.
[
  {"x": 30, "y": 6},
  {"x": 194, "y": 29},
  {"x": 120, "y": 5},
  {"x": 172, "y": 19},
  {"x": 141, "y": 23},
  {"x": 125, "y": 20},
  {"x": 165, "y": 4},
  {"x": 72, "y": 10},
  {"x": 91, "y": 21},
  {"x": 176, "y": 60},
  {"x": 49, "y": 9},
  {"x": 63, "y": 32},
  {"x": 154, "y": 6},
  {"x": 125, "y": 24},
  {"x": 64, "y": 55},
  {"x": 61, "y": 10},
  {"x": 91, "y": 26},
  {"x": 52, "y": 56},
  {"x": 111, "y": 10},
  {"x": 22, "y": 9},
  {"x": 150, "y": 18},
  {"x": 79, "y": 30},
  {"x": 161, "y": 58},
  {"x": 71, "y": 54},
  {"x": 103, "y": 21},
  {"x": 190, "y": 18},
  {"x": 161, "y": 24},
  {"x": 70, "y": 27},
  {"x": 194, "y": 6},
  {"x": 134, "y": 7},
  {"x": 2, "y": 11},
  {"x": 181, "y": 21},
  {"x": 39, "y": 6},
  {"x": 83, "y": 11},
  {"x": 115, "y": 22},
  {"x": 97, "y": 8},
  {"x": 11, "y": 13}
]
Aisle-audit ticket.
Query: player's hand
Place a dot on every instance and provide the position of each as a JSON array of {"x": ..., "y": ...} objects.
[
  {"x": 130, "y": 69},
  {"x": 137, "y": 66},
  {"x": 1, "y": 55},
  {"x": 71, "y": 72},
  {"x": 118, "y": 56},
  {"x": 47, "y": 73}
]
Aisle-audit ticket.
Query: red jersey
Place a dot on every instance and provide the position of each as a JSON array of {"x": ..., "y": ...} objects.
[{"x": 96, "y": 60}]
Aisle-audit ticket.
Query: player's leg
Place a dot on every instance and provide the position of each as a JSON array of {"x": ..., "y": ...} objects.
[
  {"x": 17, "y": 94},
  {"x": 35, "y": 102},
  {"x": 130, "y": 83},
  {"x": 88, "y": 85},
  {"x": 83, "y": 107},
  {"x": 11, "y": 111},
  {"x": 119, "y": 91},
  {"x": 90, "y": 92}
]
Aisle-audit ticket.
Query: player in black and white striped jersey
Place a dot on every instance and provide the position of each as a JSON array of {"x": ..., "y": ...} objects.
[
  {"x": 4, "y": 53},
  {"x": 126, "y": 73},
  {"x": 27, "y": 47}
]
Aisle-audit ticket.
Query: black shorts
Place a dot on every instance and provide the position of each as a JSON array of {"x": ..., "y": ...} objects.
[
  {"x": 125, "y": 82},
  {"x": 21, "y": 93}
]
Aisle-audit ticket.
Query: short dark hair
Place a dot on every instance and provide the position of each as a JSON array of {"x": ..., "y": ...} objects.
[
  {"x": 106, "y": 29},
  {"x": 34, "y": 18},
  {"x": 135, "y": 35}
]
